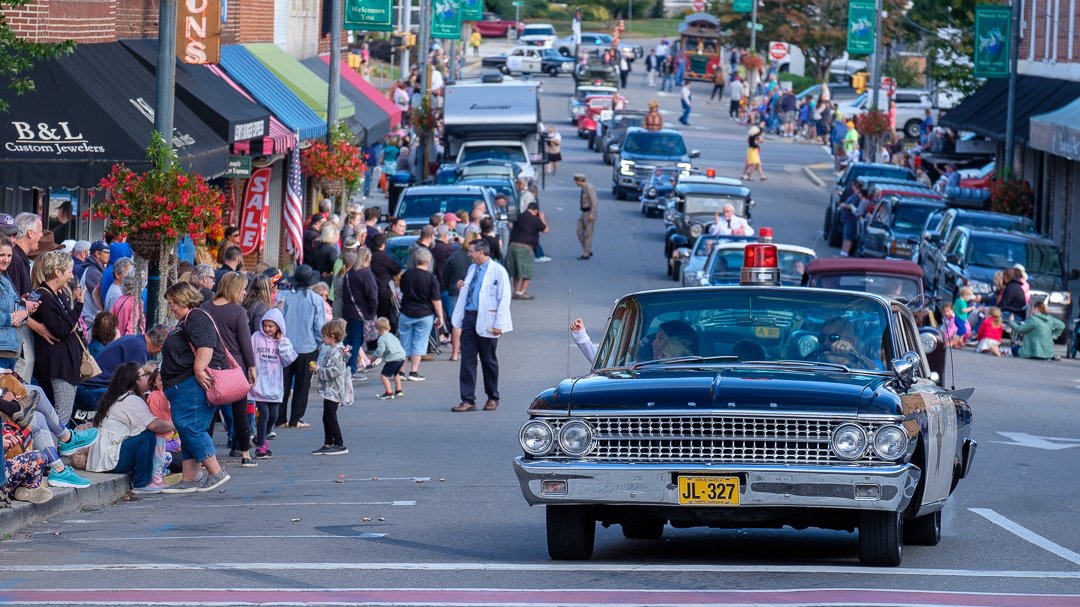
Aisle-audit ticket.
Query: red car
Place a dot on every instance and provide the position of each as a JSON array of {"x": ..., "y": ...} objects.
[
  {"x": 594, "y": 106},
  {"x": 491, "y": 25}
]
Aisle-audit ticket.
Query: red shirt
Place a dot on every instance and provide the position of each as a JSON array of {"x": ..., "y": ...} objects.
[{"x": 988, "y": 331}]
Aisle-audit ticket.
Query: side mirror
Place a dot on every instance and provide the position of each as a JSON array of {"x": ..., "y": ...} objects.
[
  {"x": 613, "y": 148},
  {"x": 953, "y": 258},
  {"x": 695, "y": 153},
  {"x": 905, "y": 366},
  {"x": 682, "y": 253},
  {"x": 752, "y": 203}
]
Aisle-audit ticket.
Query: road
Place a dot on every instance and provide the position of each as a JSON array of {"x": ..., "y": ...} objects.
[{"x": 425, "y": 510}]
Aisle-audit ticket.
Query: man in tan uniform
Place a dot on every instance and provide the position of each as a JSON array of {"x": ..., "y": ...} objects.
[{"x": 587, "y": 222}]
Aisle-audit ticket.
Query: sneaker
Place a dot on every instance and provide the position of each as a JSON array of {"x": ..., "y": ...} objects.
[
  {"x": 414, "y": 376},
  {"x": 337, "y": 450},
  {"x": 359, "y": 378},
  {"x": 149, "y": 489},
  {"x": 37, "y": 495},
  {"x": 271, "y": 436},
  {"x": 322, "y": 450},
  {"x": 78, "y": 440},
  {"x": 213, "y": 481},
  {"x": 542, "y": 259},
  {"x": 234, "y": 453},
  {"x": 385, "y": 396},
  {"x": 67, "y": 478},
  {"x": 263, "y": 453},
  {"x": 399, "y": 394},
  {"x": 186, "y": 486},
  {"x": 248, "y": 462}
]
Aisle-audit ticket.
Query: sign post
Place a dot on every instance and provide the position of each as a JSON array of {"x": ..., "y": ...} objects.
[
  {"x": 472, "y": 10},
  {"x": 370, "y": 15},
  {"x": 778, "y": 51},
  {"x": 861, "y": 34},
  {"x": 198, "y": 32}
]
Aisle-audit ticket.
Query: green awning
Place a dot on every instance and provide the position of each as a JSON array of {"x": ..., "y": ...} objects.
[
  {"x": 305, "y": 84},
  {"x": 1058, "y": 132}
]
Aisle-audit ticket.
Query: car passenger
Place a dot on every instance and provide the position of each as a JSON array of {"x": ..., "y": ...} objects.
[{"x": 674, "y": 338}]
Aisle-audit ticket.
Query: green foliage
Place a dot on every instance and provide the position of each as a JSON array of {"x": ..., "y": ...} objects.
[
  {"x": 657, "y": 11},
  {"x": 906, "y": 74},
  {"x": 942, "y": 30},
  {"x": 17, "y": 56}
]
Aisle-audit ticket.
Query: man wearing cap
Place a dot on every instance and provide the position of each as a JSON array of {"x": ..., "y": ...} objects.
[
  {"x": 90, "y": 278},
  {"x": 587, "y": 221},
  {"x": 7, "y": 225},
  {"x": 451, "y": 221},
  {"x": 424, "y": 241},
  {"x": 311, "y": 234},
  {"x": 524, "y": 238}
]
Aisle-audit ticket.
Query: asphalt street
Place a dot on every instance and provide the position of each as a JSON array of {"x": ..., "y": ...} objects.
[{"x": 425, "y": 509}]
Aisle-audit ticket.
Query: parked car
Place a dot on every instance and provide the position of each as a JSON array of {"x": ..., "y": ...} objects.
[
  {"x": 911, "y": 106},
  {"x": 643, "y": 151},
  {"x": 567, "y": 48},
  {"x": 932, "y": 249},
  {"x": 614, "y": 129},
  {"x": 597, "y": 109},
  {"x": 530, "y": 60},
  {"x": 698, "y": 199},
  {"x": 491, "y": 25},
  {"x": 576, "y": 105},
  {"x": 498, "y": 185},
  {"x": 686, "y": 262},
  {"x": 837, "y": 93},
  {"x": 724, "y": 264},
  {"x": 842, "y": 190},
  {"x": 450, "y": 173},
  {"x": 538, "y": 34},
  {"x": 754, "y": 426},
  {"x": 419, "y": 203},
  {"x": 896, "y": 227},
  {"x": 656, "y": 190}
]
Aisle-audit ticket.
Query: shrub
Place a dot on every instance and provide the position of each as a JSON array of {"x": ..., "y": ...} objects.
[{"x": 798, "y": 83}]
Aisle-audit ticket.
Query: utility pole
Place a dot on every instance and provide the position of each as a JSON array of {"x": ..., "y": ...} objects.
[
  {"x": 423, "y": 55},
  {"x": 1010, "y": 112},
  {"x": 406, "y": 27},
  {"x": 875, "y": 76},
  {"x": 753, "y": 27},
  {"x": 166, "y": 70},
  {"x": 334, "y": 90}
]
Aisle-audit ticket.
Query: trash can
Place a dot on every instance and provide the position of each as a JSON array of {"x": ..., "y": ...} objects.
[{"x": 398, "y": 182}]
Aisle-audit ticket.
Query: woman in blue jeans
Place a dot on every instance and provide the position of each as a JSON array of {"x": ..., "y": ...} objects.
[
  {"x": 127, "y": 430},
  {"x": 421, "y": 309},
  {"x": 192, "y": 348},
  {"x": 359, "y": 302},
  {"x": 13, "y": 313}
]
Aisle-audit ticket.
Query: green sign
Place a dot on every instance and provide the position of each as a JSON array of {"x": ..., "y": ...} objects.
[
  {"x": 446, "y": 19},
  {"x": 743, "y": 6},
  {"x": 755, "y": 26},
  {"x": 238, "y": 167},
  {"x": 992, "y": 30},
  {"x": 860, "y": 28},
  {"x": 368, "y": 15},
  {"x": 472, "y": 10}
]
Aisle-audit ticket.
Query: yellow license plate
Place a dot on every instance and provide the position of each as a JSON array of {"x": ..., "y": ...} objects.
[
  {"x": 709, "y": 490},
  {"x": 767, "y": 332}
]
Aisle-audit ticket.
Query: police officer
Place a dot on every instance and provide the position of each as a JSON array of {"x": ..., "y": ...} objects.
[{"x": 587, "y": 221}]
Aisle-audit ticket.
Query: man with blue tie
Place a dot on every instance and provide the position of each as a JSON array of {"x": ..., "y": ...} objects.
[{"x": 483, "y": 313}]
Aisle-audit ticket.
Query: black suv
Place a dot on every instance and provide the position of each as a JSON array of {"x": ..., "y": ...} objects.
[
  {"x": 842, "y": 190},
  {"x": 932, "y": 249},
  {"x": 643, "y": 151},
  {"x": 896, "y": 227}
]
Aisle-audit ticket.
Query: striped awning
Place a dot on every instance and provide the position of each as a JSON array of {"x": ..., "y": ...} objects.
[
  {"x": 279, "y": 141},
  {"x": 268, "y": 90}
]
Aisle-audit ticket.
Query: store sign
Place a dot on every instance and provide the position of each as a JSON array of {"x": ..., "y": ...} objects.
[
  {"x": 238, "y": 167},
  {"x": 445, "y": 19},
  {"x": 369, "y": 15},
  {"x": 992, "y": 30},
  {"x": 743, "y": 6},
  {"x": 198, "y": 31},
  {"x": 860, "y": 30},
  {"x": 256, "y": 212},
  {"x": 472, "y": 10},
  {"x": 45, "y": 138}
]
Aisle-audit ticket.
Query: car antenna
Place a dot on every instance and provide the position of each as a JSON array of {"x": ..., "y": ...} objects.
[
  {"x": 569, "y": 321},
  {"x": 952, "y": 367}
]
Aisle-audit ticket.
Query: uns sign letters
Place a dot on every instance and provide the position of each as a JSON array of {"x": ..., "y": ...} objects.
[
  {"x": 198, "y": 31},
  {"x": 256, "y": 211}
]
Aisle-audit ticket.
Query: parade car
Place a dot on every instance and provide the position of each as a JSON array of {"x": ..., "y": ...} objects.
[
  {"x": 566, "y": 45},
  {"x": 592, "y": 69},
  {"x": 698, "y": 200},
  {"x": 530, "y": 60},
  {"x": 932, "y": 249},
  {"x": 419, "y": 203},
  {"x": 724, "y": 264},
  {"x": 576, "y": 105},
  {"x": 642, "y": 151},
  {"x": 656, "y": 190},
  {"x": 613, "y": 130},
  {"x": 597, "y": 109},
  {"x": 895, "y": 228},
  {"x": 755, "y": 405},
  {"x": 843, "y": 189}
]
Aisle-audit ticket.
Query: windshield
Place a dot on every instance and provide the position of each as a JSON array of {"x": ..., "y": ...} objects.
[
  {"x": 904, "y": 288},
  {"x": 749, "y": 325},
  {"x": 492, "y": 152},
  {"x": 422, "y": 207},
  {"x": 1000, "y": 253},
  {"x": 538, "y": 30},
  {"x": 876, "y": 171},
  {"x": 703, "y": 245},
  {"x": 628, "y": 120},
  {"x": 1004, "y": 222},
  {"x": 910, "y": 218},
  {"x": 697, "y": 204},
  {"x": 655, "y": 144},
  {"x": 724, "y": 267}
]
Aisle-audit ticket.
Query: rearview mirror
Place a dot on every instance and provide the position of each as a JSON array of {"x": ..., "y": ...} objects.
[{"x": 905, "y": 366}]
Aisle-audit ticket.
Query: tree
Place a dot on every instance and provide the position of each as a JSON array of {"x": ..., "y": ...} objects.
[
  {"x": 18, "y": 55},
  {"x": 942, "y": 30}
]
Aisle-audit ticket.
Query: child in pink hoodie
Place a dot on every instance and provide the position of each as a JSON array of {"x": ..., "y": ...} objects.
[{"x": 273, "y": 352}]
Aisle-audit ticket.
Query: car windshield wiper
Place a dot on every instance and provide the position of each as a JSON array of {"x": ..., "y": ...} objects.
[
  {"x": 676, "y": 360},
  {"x": 812, "y": 364}
]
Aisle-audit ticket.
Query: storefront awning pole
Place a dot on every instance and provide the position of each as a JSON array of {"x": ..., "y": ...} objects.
[
  {"x": 1010, "y": 112},
  {"x": 166, "y": 70}
]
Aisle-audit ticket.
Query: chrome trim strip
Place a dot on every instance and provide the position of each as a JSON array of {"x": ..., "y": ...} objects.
[{"x": 717, "y": 412}]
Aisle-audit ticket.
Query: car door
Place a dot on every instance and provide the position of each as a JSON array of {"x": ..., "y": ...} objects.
[
  {"x": 953, "y": 266},
  {"x": 531, "y": 61},
  {"x": 934, "y": 251},
  {"x": 515, "y": 60}
]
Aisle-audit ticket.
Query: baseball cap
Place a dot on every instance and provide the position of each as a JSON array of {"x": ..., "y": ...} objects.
[
  {"x": 99, "y": 245},
  {"x": 534, "y": 206},
  {"x": 68, "y": 245},
  {"x": 7, "y": 225},
  {"x": 449, "y": 218},
  {"x": 81, "y": 245}
]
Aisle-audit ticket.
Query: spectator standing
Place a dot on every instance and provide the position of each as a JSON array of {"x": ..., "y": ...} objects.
[
  {"x": 359, "y": 303},
  {"x": 652, "y": 65},
  {"x": 474, "y": 42},
  {"x": 421, "y": 308},
  {"x": 667, "y": 74},
  {"x": 587, "y": 220},
  {"x": 90, "y": 278},
  {"x": 231, "y": 239},
  {"x": 325, "y": 253},
  {"x": 753, "y": 155},
  {"x": 13, "y": 312},
  {"x": 553, "y": 147},
  {"x": 385, "y": 270},
  {"x": 789, "y": 106},
  {"x": 454, "y": 271},
  {"x": 258, "y": 301},
  {"x": 391, "y": 352},
  {"x": 120, "y": 268},
  {"x": 483, "y": 315},
  {"x": 273, "y": 352},
  {"x": 334, "y": 386},
  {"x": 624, "y": 69},
  {"x": 686, "y": 98},
  {"x": 717, "y": 85},
  {"x": 735, "y": 94},
  {"x": 304, "y": 317},
  {"x": 524, "y": 238},
  {"x": 128, "y": 309},
  {"x": 233, "y": 261},
  {"x": 310, "y": 236},
  {"x": 28, "y": 231},
  {"x": 57, "y": 362}
]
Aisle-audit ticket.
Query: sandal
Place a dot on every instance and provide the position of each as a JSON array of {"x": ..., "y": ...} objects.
[
  {"x": 301, "y": 425},
  {"x": 455, "y": 357}
]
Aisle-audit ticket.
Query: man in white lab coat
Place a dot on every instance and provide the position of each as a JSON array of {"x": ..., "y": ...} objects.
[{"x": 483, "y": 313}]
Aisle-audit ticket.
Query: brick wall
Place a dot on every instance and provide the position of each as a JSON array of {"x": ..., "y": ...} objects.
[
  {"x": 1033, "y": 45},
  {"x": 136, "y": 18},
  {"x": 56, "y": 20},
  {"x": 254, "y": 21}
]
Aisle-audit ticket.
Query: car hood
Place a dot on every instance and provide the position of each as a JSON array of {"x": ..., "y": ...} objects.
[{"x": 732, "y": 390}]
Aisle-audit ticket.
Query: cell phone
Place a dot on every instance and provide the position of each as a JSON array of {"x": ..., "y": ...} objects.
[{"x": 33, "y": 296}]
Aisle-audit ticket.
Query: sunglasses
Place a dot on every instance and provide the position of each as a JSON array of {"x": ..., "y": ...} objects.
[{"x": 831, "y": 337}]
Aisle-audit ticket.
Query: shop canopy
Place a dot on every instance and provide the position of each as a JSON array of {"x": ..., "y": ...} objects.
[
  {"x": 89, "y": 110},
  {"x": 232, "y": 116},
  {"x": 375, "y": 113},
  {"x": 984, "y": 111},
  {"x": 1058, "y": 132},
  {"x": 311, "y": 89},
  {"x": 278, "y": 141},
  {"x": 265, "y": 87}
]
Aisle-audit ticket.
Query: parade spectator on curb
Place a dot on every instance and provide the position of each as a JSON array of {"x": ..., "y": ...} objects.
[
  {"x": 421, "y": 308},
  {"x": 717, "y": 85},
  {"x": 104, "y": 331},
  {"x": 258, "y": 300},
  {"x": 128, "y": 309},
  {"x": 652, "y": 65},
  {"x": 13, "y": 312},
  {"x": 234, "y": 262},
  {"x": 354, "y": 224},
  {"x": 483, "y": 315},
  {"x": 553, "y": 147},
  {"x": 304, "y": 317},
  {"x": 310, "y": 236},
  {"x": 127, "y": 349},
  {"x": 360, "y": 303},
  {"x": 334, "y": 386},
  {"x": 28, "y": 232},
  {"x": 371, "y": 218},
  {"x": 231, "y": 239},
  {"x": 23, "y": 476},
  {"x": 232, "y": 324},
  {"x": 325, "y": 253},
  {"x": 391, "y": 352},
  {"x": 454, "y": 271},
  {"x": 127, "y": 430},
  {"x": 57, "y": 362},
  {"x": 50, "y": 436},
  {"x": 990, "y": 331},
  {"x": 273, "y": 352},
  {"x": 121, "y": 268},
  {"x": 191, "y": 348},
  {"x": 90, "y": 278},
  {"x": 1039, "y": 331}
]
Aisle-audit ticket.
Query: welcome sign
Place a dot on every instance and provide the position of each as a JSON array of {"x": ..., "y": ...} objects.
[{"x": 369, "y": 15}]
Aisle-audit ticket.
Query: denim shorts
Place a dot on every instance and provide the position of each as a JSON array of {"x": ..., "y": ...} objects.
[
  {"x": 191, "y": 415},
  {"x": 414, "y": 333}
]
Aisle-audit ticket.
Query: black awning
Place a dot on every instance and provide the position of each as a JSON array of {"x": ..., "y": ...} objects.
[
  {"x": 985, "y": 110},
  {"x": 369, "y": 116},
  {"x": 232, "y": 116},
  {"x": 90, "y": 110}
]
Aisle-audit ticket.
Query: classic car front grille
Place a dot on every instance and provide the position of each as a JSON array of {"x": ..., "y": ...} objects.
[{"x": 718, "y": 439}]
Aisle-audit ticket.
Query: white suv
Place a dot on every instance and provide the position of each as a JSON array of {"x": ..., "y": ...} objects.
[
  {"x": 538, "y": 34},
  {"x": 911, "y": 106}
]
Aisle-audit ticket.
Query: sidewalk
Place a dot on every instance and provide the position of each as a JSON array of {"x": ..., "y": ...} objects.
[{"x": 103, "y": 491}]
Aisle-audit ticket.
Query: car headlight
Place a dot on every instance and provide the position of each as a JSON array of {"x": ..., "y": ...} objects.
[
  {"x": 695, "y": 229},
  {"x": 537, "y": 437},
  {"x": 900, "y": 247},
  {"x": 651, "y": 193},
  {"x": 575, "y": 438},
  {"x": 1063, "y": 298},
  {"x": 693, "y": 277},
  {"x": 684, "y": 167},
  {"x": 979, "y": 286},
  {"x": 849, "y": 441},
  {"x": 928, "y": 341},
  {"x": 890, "y": 442},
  {"x": 626, "y": 167}
]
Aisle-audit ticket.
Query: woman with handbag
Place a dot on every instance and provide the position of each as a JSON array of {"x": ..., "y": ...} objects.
[
  {"x": 359, "y": 302},
  {"x": 232, "y": 321},
  {"x": 58, "y": 361},
  {"x": 190, "y": 351},
  {"x": 13, "y": 312}
]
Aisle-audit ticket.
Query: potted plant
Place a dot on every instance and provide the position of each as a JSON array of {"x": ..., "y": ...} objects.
[
  {"x": 336, "y": 169},
  {"x": 1011, "y": 195}
]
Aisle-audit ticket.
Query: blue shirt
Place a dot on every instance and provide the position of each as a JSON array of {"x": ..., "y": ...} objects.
[
  {"x": 472, "y": 304},
  {"x": 116, "y": 251},
  {"x": 127, "y": 349}
]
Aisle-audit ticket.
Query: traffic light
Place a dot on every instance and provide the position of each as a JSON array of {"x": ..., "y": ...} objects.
[
  {"x": 398, "y": 39},
  {"x": 411, "y": 40},
  {"x": 858, "y": 81}
]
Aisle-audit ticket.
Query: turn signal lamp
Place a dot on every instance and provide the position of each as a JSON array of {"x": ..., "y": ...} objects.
[
  {"x": 765, "y": 235},
  {"x": 710, "y": 173},
  {"x": 760, "y": 265}
]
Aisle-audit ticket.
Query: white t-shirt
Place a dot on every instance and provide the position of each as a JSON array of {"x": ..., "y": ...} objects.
[{"x": 128, "y": 417}]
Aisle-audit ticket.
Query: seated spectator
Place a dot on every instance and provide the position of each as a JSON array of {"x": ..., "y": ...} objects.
[
  {"x": 103, "y": 332},
  {"x": 23, "y": 475},
  {"x": 1039, "y": 331},
  {"x": 127, "y": 430},
  {"x": 47, "y": 435},
  {"x": 127, "y": 349}
]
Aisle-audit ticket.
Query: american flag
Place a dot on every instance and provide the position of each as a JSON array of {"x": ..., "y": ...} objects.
[{"x": 294, "y": 208}]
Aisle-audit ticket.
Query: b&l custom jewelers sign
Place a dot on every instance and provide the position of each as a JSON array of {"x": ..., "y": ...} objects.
[{"x": 44, "y": 138}]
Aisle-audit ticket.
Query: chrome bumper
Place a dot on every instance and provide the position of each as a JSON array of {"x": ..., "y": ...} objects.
[{"x": 760, "y": 486}]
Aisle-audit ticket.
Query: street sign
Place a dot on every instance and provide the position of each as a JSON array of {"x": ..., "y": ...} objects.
[
  {"x": 860, "y": 31},
  {"x": 699, "y": 5},
  {"x": 368, "y": 15},
  {"x": 742, "y": 6},
  {"x": 992, "y": 32},
  {"x": 757, "y": 26},
  {"x": 517, "y": 3},
  {"x": 778, "y": 51},
  {"x": 446, "y": 20}
]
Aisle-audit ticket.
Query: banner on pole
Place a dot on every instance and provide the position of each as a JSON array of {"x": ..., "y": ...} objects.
[
  {"x": 198, "y": 31},
  {"x": 445, "y": 19},
  {"x": 743, "y": 6},
  {"x": 472, "y": 10},
  {"x": 993, "y": 26},
  {"x": 369, "y": 15},
  {"x": 860, "y": 29}
]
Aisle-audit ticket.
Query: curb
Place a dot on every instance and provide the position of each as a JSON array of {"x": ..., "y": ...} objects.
[
  {"x": 103, "y": 490},
  {"x": 812, "y": 177}
]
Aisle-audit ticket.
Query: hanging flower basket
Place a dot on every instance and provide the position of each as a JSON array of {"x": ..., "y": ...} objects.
[
  {"x": 872, "y": 123},
  {"x": 752, "y": 62},
  {"x": 1012, "y": 196},
  {"x": 336, "y": 168}
]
